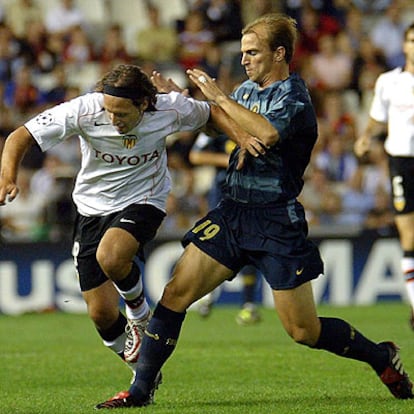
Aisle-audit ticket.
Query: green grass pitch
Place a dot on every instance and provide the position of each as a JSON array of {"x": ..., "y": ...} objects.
[{"x": 55, "y": 363}]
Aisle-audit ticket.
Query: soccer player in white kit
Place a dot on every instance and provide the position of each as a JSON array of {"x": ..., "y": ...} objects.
[
  {"x": 120, "y": 191},
  {"x": 392, "y": 112}
]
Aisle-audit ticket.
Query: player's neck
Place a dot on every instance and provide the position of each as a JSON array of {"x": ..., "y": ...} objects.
[{"x": 280, "y": 75}]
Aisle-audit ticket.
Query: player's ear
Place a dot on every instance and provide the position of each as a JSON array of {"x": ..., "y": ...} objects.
[
  {"x": 144, "y": 105},
  {"x": 279, "y": 54}
]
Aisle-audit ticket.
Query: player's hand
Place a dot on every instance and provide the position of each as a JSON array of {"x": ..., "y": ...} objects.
[
  {"x": 362, "y": 145},
  {"x": 250, "y": 145},
  {"x": 8, "y": 191},
  {"x": 165, "y": 85},
  {"x": 205, "y": 83}
]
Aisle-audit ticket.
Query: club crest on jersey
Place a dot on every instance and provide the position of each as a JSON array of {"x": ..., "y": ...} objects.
[
  {"x": 129, "y": 141},
  {"x": 399, "y": 203}
]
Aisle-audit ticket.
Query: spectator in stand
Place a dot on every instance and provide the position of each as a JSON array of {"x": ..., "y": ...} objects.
[
  {"x": 20, "y": 14},
  {"x": 212, "y": 61},
  {"x": 53, "y": 54},
  {"x": 7, "y": 118},
  {"x": 43, "y": 180},
  {"x": 57, "y": 92},
  {"x": 9, "y": 53},
  {"x": 356, "y": 205},
  {"x": 179, "y": 218},
  {"x": 178, "y": 150},
  {"x": 158, "y": 43},
  {"x": 330, "y": 69},
  {"x": 312, "y": 27},
  {"x": 330, "y": 209},
  {"x": 193, "y": 40},
  {"x": 62, "y": 18},
  {"x": 371, "y": 179},
  {"x": 224, "y": 20},
  {"x": 368, "y": 63},
  {"x": 338, "y": 162},
  {"x": 252, "y": 9},
  {"x": 388, "y": 34},
  {"x": 354, "y": 27},
  {"x": 316, "y": 184},
  {"x": 33, "y": 44},
  {"x": 114, "y": 47},
  {"x": 372, "y": 7},
  {"x": 22, "y": 93},
  {"x": 336, "y": 119},
  {"x": 310, "y": 32},
  {"x": 79, "y": 49}
]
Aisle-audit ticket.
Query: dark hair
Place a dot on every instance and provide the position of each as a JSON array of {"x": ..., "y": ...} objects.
[
  {"x": 279, "y": 29},
  {"x": 131, "y": 76}
]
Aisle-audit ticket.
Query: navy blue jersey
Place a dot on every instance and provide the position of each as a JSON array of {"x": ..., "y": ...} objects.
[{"x": 277, "y": 175}]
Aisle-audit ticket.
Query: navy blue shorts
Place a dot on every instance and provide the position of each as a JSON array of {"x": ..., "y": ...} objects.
[
  {"x": 142, "y": 221},
  {"x": 271, "y": 238}
]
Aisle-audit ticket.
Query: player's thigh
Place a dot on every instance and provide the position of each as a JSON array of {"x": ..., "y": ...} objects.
[
  {"x": 405, "y": 225},
  {"x": 297, "y": 312},
  {"x": 194, "y": 275},
  {"x": 102, "y": 304}
]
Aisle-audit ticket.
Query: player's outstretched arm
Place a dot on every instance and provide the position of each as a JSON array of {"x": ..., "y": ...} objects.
[{"x": 16, "y": 145}]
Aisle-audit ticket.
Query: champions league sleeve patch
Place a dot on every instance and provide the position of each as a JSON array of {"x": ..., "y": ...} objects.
[{"x": 44, "y": 119}]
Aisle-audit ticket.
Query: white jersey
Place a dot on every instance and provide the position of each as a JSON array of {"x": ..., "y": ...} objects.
[
  {"x": 118, "y": 170},
  {"x": 393, "y": 103}
]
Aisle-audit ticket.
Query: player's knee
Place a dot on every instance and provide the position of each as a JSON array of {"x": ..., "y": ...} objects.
[
  {"x": 110, "y": 263},
  {"x": 303, "y": 335},
  {"x": 176, "y": 298},
  {"x": 102, "y": 316}
]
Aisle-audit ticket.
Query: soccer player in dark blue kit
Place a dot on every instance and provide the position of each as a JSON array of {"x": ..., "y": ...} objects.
[{"x": 259, "y": 221}]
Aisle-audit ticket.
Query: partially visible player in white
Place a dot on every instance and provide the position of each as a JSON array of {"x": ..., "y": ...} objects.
[
  {"x": 392, "y": 112},
  {"x": 120, "y": 191}
]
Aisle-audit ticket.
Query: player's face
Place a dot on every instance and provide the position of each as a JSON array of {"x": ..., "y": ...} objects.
[
  {"x": 257, "y": 59},
  {"x": 124, "y": 115}
]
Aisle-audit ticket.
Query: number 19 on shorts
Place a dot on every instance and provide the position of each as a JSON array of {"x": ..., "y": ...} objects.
[{"x": 208, "y": 229}]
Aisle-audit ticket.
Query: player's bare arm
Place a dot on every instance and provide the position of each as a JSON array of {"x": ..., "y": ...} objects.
[
  {"x": 17, "y": 143},
  {"x": 363, "y": 143},
  {"x": 254, "y": 124}
]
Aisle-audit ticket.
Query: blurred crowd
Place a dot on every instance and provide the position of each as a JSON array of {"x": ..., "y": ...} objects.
[{"x": 53, "y": 50}]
